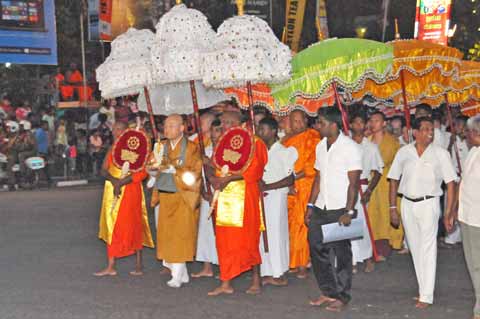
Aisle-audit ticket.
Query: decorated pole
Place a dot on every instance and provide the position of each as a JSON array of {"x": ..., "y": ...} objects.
[
  {"x": 150, "y": 112},
  {"x": 198, "y": 124},
  {"x": 454, "y": 133},
  {"x": 406, "y": 108},
  {"x": 240, "y": 4},
  {"x": 360, "y": 190}
]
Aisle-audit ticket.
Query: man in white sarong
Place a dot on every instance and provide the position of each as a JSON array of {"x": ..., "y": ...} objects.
[
  {"x": 206, "y": 247},
  {"x": 278, "y": 176},
  {"x": 372, "y": 167}
]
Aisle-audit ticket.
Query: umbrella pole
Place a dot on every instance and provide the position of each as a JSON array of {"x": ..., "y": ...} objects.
[
  {"x": 360, "y": 190},
  {"x": 454, "y": 133},
  {"x": 262, "y": 203},
  {"x": 406, "y": 108},
  {"x": 198, "y": 125},
  {"x": 150, "y": 112}
]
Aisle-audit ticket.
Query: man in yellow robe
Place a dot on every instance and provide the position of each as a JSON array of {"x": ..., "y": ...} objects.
[
  {"x": 304, "y": 140},
  {"x": 386, "y": 237},
  {"x": 178, "y": 206},
  {"x": 125, "y": 229}
]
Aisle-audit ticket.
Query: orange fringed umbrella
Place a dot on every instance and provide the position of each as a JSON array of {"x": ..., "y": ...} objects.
[
  {"x": 471, "y": 108},
  {"x": 420, "y": 69},
  {"x": 261, "y": 94}
]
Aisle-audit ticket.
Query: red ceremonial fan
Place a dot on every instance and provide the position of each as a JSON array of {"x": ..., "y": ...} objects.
[
  {"x": 133, "y": 146},
  {"x": 234, "y": 149}
]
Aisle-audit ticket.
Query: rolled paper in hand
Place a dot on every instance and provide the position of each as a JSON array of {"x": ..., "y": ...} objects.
[
  {"x": 223, "y": 173},
  {"x": 125, "y": 171},
  {"x": 156, "y": 162}
]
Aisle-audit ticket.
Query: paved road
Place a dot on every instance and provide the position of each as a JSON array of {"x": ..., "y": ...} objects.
[{"x": 48, "y": 251}]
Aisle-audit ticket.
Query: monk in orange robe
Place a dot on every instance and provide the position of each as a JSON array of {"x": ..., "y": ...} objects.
[
  {"x": 125, "y": 229},
  {"x": 238, "y": 247},
  {"x": 305, "y": 141}
]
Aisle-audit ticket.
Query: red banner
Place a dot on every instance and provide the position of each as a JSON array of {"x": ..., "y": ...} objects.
[
  {"x": 433, "y": 20},
  {"x": 105, "y": 20}
]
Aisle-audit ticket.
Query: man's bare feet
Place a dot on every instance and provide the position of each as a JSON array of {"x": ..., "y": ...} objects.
[
  {"x": 165, "y": 271},
  {"x": 354, "y": 270},
  {"x": 322, "y": 300},
  {"x": 336, "y": 306},
  {"x": 254, "y": 290},
  {"x": 302, "y": 273},
  {"x": 370, "y": 266},
  {"x": 220, "y": 291},
  {"x": 422, "y": 305},
  {"x": 381, "y": 259},
  {"x": 202, "y": 273},
  {"x": 404, "y": 251},
  {"x": 293, "y": 271},
  {"x": 136, "y": 273},
  {"x": 279, "y": 282},
  {"x": 105, "y": 272}
]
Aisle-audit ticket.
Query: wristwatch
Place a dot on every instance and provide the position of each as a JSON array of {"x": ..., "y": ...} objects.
[{"x": 351, "y": 212}]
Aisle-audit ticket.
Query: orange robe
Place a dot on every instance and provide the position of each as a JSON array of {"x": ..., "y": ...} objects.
[
  {"x": 305, "y": 143},
  {"x": 131, "y": 230},
  {"x": 238, "y": 247}
]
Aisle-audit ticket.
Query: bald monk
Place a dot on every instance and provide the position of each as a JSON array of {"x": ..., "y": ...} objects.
[
  {"x": 304, "y": 140},
  {"x": 238, "y": 247},
  {"x": 206, "y": 120},
  {"x": 130, "y": 229},
  {"x": 178, "y": 207}
]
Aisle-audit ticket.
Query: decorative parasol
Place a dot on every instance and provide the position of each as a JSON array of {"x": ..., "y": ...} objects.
[
  {"x": 246, "y": 52},
  {"x": 262, "y": 96},
  {"x": 344, "y": 62},
  {"x": 421, "y": 69},
  {"x": 326, "y": 64},
  {"x": 128, "y": 68}
]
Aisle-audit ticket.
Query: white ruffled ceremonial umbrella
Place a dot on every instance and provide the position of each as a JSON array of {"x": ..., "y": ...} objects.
[
  {"x": 128, "y": 68},
  {"x": 183, "y": 36},
  {"x": 246, "y": 52}
]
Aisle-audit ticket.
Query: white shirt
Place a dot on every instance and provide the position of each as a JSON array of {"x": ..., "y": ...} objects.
[
  {"x": 344, "y": 156},
  {"x": 371, "y": 159},
  {"x": 441, "y": 138},
  {"x": 281, "y": 162},
  {"x": 422, "y": 176},
  {"x": 469, "y": 197},
  {"x": 462, "y": 153}
]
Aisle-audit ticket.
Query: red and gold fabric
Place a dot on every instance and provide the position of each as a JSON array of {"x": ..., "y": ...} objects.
[{"x": 133, "y": 146}]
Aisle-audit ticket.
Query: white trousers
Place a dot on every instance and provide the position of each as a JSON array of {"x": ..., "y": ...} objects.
[
  {"x": 362, "y": 247},
  {"x": 276, "y": 262},
  {"x": 179, "y": 272},
  {"x": 420, "y": 221},
  {"x": 206, "y": 245}
]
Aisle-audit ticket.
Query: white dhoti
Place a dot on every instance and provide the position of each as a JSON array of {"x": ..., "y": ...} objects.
[
  {"x": 206, "y": 247},
  {"x": 179, "y": 274},
  {"x": 156, "y": 216},
  {"x": 276, "y": 262},
  {"x": 362, "y": 247},
  {"x": 420, "y": 221}
]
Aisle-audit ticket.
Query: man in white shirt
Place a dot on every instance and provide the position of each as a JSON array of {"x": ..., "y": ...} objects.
[
  {"x": 372, "y": 167},
  {"x": 417, "y": 173},
  {"x": 461, "y": 146},
  {"x": 334, "y": 195},
  {"x": 277, "y": 177},
  {"x": 206, "y": 246},
  {"x": 469, "y": 208}
]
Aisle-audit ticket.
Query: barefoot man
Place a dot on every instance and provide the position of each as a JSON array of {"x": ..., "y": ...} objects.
[
  {"x": 206, "y": 248},
  {"x": 304, "y": 141},
  {"x": 278, "y": 176},
  {"x": 129, "y": 218},
  {"x": 238, "y": 247}
]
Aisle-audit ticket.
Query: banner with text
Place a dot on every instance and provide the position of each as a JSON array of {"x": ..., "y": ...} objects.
[
  {"x": 433, "y": 20},
  {"x": 294, "y": 23},
  {"x": 321, "y": 21},
  {"x": 28, "y": 32}
]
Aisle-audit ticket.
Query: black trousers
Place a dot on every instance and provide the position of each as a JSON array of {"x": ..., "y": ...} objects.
[{"x": 334, "y": 282}]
